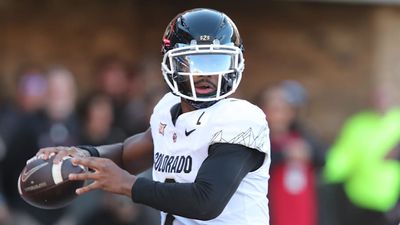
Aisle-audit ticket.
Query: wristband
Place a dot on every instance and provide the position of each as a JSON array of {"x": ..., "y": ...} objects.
[{"x": 91, "y": 149}]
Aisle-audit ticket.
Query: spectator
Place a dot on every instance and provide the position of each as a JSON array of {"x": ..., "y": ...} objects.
[
  {"x": 295, "y": 158},
  {"x": 135, "y": 109},
  {"x": 31, "y": 89},
  {"x": 56, "y": 124},
  {"x": 111, "y": 74},
  {"x": 363, "y": 164},
  {"x": 97, "y": 117},
  {"x": 30, "y": 97}
]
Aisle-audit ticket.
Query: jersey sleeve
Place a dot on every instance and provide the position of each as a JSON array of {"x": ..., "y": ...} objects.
[{"x": 240, "y": 122}]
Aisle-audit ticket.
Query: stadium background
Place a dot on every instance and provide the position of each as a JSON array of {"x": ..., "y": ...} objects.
[
  {"x": 339, "y": 50},
  {"x": 336, "y": 50}
]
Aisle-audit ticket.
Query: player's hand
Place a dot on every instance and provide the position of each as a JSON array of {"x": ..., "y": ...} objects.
[
  {"x": 60, "y": 152},
  {"x": 107, "y": 176}
]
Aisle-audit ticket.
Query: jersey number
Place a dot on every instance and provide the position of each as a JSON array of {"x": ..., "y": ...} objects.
[{"x": 169, "y": 219}]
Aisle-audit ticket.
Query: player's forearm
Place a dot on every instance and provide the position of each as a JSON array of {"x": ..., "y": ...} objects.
[
  {"x": 113, "y": 152},
  {"x": 137, "y": 153},
  {"x": 191, "y": 200}
]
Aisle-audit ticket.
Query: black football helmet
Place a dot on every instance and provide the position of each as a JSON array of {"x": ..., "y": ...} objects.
[{"x": 202, "y": 42}]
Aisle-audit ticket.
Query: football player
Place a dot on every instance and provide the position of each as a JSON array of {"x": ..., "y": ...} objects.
[{"x": 210, "y": 154}]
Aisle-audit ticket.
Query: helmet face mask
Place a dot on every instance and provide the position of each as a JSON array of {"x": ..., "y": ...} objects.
[
  {"x": 223, "y": 64},
  {"x": 203, "y": 56}
]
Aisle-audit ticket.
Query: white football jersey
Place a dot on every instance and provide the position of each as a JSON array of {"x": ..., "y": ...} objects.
[{"x": 180, "y": 149}]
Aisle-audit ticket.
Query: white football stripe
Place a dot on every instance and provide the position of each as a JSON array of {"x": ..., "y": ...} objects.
[{"x": 56, "y": 171}]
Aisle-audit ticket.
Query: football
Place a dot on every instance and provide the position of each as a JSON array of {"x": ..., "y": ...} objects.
[{"x": 46, "y": 185}]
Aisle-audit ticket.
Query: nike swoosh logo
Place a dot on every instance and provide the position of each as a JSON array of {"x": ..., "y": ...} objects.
[
  {"x": 187, "y": 133},
  {"x": 27, "y": 174}
]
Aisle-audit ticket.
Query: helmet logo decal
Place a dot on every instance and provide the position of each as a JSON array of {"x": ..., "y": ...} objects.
[
  {"x": 204, "y": 38},
  {"x": 167, "y": 42}
]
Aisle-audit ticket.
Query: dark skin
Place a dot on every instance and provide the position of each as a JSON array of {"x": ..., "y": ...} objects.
[{"x": 113, "y": 170}]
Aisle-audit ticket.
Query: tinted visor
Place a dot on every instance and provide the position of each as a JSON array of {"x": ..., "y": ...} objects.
[{"x": 203, "y": 63}]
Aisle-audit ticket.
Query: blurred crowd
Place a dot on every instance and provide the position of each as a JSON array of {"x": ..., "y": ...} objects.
[
  {"x": 47, "y": 110},
  {"x": 353, "y": 181}
]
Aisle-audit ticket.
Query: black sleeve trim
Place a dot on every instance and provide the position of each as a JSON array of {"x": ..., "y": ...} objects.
[
  {"x": 91, "y": 149},
  {"x": 217, "y": 180}
]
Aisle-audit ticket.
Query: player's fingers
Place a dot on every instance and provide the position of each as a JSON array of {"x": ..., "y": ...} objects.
[
  {"x": 82, "y": 176},
  {"x": 89, "y": 162},
  {"x": 87, "y": 188},
  {"x": 61, "y": 153},
  {"x": 45, "y": 153}
]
